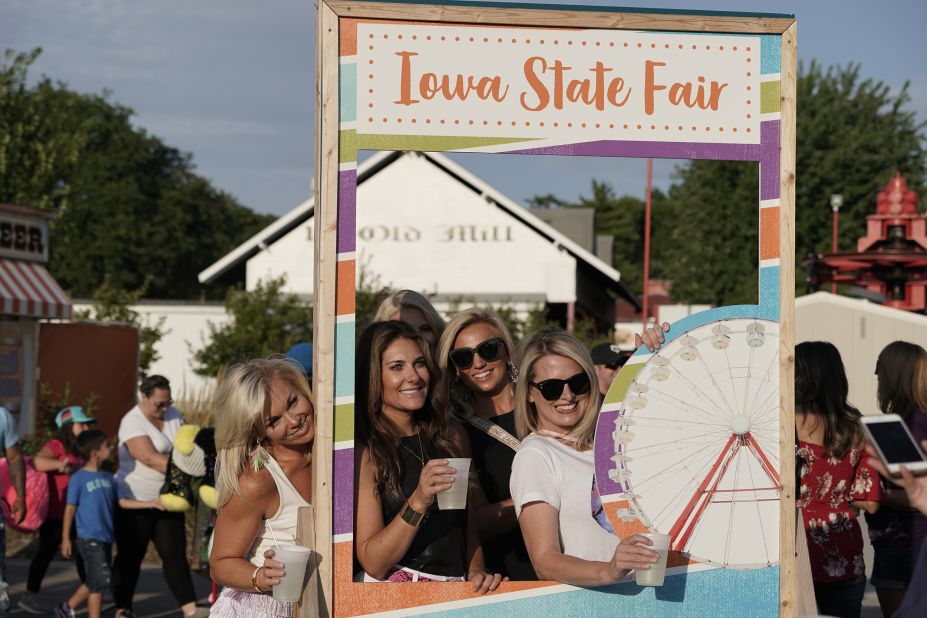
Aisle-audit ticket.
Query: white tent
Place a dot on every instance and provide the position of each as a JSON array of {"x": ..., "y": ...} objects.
[{"x": 859, "y": 329}]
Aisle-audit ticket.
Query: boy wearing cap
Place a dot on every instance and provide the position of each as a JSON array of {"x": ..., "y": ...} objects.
[
  {"x": 607, "y": 359},
  {"x": 59, "y": 459}
]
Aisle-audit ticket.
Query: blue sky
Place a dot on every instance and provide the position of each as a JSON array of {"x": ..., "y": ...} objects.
[{"x": 232, "y": 81}]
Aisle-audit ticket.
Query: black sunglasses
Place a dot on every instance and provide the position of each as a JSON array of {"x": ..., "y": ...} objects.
[
  {"x": 488, "y": 350},
  {"x": 552, "y": 389}
]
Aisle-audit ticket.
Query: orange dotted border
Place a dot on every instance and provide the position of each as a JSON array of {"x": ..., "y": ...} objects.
[{"x": 527, "y": 41}]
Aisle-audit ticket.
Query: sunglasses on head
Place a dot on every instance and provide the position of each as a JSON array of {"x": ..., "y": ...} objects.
[
  {"x": 488, "y": 350},
  {"x": 552, "y": 389}
]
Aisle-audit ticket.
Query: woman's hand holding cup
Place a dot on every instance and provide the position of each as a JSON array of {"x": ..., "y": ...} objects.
[
  {"x": 631, "y": 553},
  {"x": 270, "y": 572},
  {"x": 436, "y": 476}
]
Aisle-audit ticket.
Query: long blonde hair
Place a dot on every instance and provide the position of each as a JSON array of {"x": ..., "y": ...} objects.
[
  {"x": 560, "y": 343},
  {"x": 240, "y": 402},
  {"x": 395, "y": 302},
  {"x": 450, "y": 394}
]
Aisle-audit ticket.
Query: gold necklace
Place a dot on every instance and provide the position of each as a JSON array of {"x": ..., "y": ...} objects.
[{"x": 421, "y": 448}]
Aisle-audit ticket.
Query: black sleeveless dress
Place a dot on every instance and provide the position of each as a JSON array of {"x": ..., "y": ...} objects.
[
  {"x": 440, "y": 545},
  {"x": 505, "y": 554}
]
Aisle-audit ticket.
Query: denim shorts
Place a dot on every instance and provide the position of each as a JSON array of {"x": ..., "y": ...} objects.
[{"x": 97, "y": 556}]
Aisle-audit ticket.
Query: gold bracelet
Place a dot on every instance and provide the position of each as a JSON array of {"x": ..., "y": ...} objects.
[
  {"x": 254, "y": 580},
  {"x": 410, "y": 515}
]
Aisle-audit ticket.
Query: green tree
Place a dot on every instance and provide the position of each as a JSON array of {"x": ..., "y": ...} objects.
[
  {"x": 264, "y": 321},
  {"x": 130, "y": 208}
]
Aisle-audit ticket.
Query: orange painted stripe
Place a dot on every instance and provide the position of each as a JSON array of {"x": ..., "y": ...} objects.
[
  {"x": 769, "y": 233},
  {"x": 353, "y": 599},
  {"x": 347, "y": 37},
  {"x": 344, "y": 297}
]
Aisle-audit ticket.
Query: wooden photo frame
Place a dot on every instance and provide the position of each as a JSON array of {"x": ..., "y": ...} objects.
[{"x": 563, "y": 81}]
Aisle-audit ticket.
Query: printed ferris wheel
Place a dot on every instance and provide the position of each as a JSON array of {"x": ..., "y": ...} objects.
[{"x": 697, "y": 443}]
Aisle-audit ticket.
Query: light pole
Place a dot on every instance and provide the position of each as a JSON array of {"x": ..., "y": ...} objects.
[
  {"x": 645, "y": 308},
  {"x": 836, "y": 201}
]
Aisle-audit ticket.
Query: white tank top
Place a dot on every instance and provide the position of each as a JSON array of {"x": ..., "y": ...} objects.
[{"x": 284, "y": 520}]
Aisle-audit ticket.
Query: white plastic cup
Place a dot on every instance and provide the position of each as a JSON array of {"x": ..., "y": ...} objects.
[
  {"x": 294, "y": 559},
  {"x": 657, "y": 572},
  {"x": 456, "y": 496}
]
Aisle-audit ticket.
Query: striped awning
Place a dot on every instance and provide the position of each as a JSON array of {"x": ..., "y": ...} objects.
[{"x": 26, "y": 289}]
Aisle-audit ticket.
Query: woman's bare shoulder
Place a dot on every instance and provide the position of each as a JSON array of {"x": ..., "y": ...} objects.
[{"x": 257, "y": 486}]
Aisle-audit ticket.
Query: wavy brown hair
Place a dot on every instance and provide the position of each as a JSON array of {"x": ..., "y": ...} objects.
[
  {"x": 373, "y": 429},
  {"x": 821, "y": 387},
  {"x": 902, "y": 373}
]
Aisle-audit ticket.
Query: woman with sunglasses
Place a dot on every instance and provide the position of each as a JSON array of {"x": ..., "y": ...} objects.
[
  {"x": 477, "y": 381},
  {"x": 556, "y": 404},
  {"x": 146, "y": 437},
  {"x": 400, "y": 535}
]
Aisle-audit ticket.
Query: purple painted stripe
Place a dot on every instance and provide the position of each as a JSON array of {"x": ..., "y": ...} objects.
[
  {"x": 660, "y": 150},
  {"x": 347, "y": 210},
  {"x": 604, "y": 451},
  {"x": 769, "y": 162},
  {"x": 343, "y": 497}
]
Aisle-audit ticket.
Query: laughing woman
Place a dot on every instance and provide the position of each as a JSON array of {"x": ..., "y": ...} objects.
[
  {"x": 400, "y": 534},
  {"x": 477, "y": 384},
  {"x": 556, "y": 403},
  {"x": 265, "y": 425}
]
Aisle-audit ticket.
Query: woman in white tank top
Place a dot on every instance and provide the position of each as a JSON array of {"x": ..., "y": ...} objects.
[{"x": 265, "y": 425}]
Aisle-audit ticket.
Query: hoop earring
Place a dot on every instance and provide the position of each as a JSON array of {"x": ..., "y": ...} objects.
[{"x": 512, "y": 369}]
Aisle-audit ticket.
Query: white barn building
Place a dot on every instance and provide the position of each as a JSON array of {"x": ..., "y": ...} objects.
[{"x": 425, "y": 223}]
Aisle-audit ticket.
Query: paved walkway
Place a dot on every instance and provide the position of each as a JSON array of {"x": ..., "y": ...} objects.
[{"x": 152, "y": 597}]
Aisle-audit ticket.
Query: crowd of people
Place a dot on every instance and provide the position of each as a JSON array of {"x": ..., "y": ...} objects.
[{"x": 428, "y": 392}]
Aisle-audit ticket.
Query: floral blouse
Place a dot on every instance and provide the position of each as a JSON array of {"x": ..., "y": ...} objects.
[{"x": 828, "y": 485}]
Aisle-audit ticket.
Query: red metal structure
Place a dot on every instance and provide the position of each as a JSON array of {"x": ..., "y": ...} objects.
[{"x": 891, "y": 259}]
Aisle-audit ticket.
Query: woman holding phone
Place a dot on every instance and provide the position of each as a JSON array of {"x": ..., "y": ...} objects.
[
  {"x": 834, "y": 478},
  {"x": 897, "y": 531},
  {"x": 402, "y": 464},
  {"x": 556, "y": 405}
]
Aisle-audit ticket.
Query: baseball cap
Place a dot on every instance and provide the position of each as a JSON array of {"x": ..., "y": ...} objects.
[
  {"x": 302, "y": 354},
  {"x": 72, "y": 414},
  {"x": 610, "y": 355}
]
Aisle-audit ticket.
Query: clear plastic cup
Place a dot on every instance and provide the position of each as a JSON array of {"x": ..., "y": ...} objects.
[
  {"x": 294, "y": 559},
  {"x": 456, "y": 496},
  {"x": 657, "y": 572}
]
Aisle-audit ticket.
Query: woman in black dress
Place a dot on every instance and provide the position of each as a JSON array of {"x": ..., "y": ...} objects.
[
  {"x": 399, "y": 532},
  {"x": 477, "y": 381}
]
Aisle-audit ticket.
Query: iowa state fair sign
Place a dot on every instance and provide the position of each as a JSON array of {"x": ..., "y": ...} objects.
[{"x": 518, "y": 82}]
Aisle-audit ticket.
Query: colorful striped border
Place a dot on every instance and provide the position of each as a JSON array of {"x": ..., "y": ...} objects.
[{"x": 704, "y": 590}]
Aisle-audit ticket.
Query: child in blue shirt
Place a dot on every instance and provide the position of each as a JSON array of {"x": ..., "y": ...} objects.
[{"x": 90, "y": 503}]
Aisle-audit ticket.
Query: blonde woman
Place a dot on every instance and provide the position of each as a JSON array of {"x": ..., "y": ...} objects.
[
  {"x": 477, "y": 385},
  {"x": 265, "y": 425},
  {"x": 556, "y": 403},
  {"x": 415, "y": 310}
]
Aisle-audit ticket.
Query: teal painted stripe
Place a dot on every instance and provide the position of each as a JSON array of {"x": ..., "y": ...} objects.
[
  {"x": 769, "y": 290},
  {"x": 720, "y": 592},
  {"x": 344, "y": 359},
  {"x": 596, "y": 9},
  {"x": 348, "y": 92},
  {"x": 770, "y": 53}
]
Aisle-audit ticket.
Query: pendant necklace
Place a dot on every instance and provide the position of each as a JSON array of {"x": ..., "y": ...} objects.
[{"x": 421, "y": 457}]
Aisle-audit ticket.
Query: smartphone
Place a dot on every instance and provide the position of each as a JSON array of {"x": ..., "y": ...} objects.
[{"x": 892, "y": 439}]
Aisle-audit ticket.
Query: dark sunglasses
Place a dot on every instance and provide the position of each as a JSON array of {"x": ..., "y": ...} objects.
[
  {"x": 488, "y": 350},
  {"x": 552, "y": 389},
  {"x": 161, "y": 405}
]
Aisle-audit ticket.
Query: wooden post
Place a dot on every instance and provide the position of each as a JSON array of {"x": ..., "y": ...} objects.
[
  {"x": 788, "y": 583},
  {"x": 312, "y": 602},
  {"x": 326, "y": 232}
]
